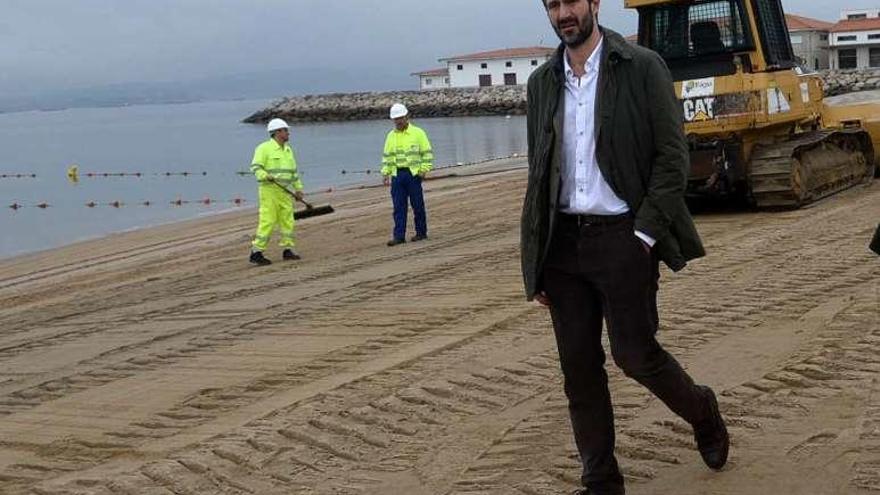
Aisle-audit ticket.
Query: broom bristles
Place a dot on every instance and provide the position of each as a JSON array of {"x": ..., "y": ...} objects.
[{"x": 316, "y": 211}]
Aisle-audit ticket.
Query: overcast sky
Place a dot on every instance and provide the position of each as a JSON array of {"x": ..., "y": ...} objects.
[{"x": 63, "y": 44}]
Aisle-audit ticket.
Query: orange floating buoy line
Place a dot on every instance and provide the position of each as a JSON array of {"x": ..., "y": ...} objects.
[
  {"x": 93, "y": 175},
  {"x": 181, "y": 174},
  {"x": 73, "y": 174},
  {"x": 18, "y": 206},
  {"x": 18, "y": 176},
  {"x": 114, "y": 204},
  {"x": 207, "y": 201},
  {"x": 96, "y": 175}
]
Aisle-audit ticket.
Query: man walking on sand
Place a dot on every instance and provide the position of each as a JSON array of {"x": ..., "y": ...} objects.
[
  {"x": 275, "y": 169},
  {"x": 406, "y": 161},
  {"x": 605, "y": 204}
]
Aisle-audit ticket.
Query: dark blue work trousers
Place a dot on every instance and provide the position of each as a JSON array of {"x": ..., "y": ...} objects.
[{"x": 405, "y": 187}]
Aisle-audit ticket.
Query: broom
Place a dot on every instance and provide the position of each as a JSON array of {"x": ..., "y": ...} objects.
[{"x": 311, "y": 210}]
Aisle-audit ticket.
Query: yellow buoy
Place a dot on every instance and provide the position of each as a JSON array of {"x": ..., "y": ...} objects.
[{"x": 73, "y": 174}]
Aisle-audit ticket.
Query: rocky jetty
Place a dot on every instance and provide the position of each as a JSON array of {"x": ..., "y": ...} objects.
[
  {"x": 498, "y": 100},
  {"x": 849, "y": 81},
  {"x": 501, "y": 100}
]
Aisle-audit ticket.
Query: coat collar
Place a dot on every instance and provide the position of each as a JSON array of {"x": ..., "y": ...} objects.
[{"x": 615, "y": 48}]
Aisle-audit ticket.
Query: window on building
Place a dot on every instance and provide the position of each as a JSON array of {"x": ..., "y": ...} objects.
[
  {"x": 852, "y": 17},
  {"x": 510, "y": 79},
  {"x": 460, "y": 67},
  {"x": 534, "y": 63},
  {"x": 874, "y": 36},
  {"x": 851, "y": 37},
  {"x": 816, "y": 64},
  {"x": 445, "y": 80},
  {"x": 429, "y": 81},
  {"x": 823, "y": 37},
  {"x": 485, "y": 80},
  {"x": 484, "y": 65},
  {"x": 874, "y": 57},
  {"x": 847, "y": 59},
  {"x": 797, "y": 39},
  {"x": 508, "y": 64}
]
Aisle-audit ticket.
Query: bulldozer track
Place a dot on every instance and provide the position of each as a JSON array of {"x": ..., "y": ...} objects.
[{"x": 809, "y": 167}]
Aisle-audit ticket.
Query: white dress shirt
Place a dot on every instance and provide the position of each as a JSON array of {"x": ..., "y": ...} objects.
[{"x": 584, "y": 190}]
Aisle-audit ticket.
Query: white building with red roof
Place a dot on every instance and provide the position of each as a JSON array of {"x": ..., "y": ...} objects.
[
  {"x": 809, "y": 40},
  {"x": 433, "y": 79},
  {"x": 855, "y": 40},
  {"x": 506, "y": 67}
]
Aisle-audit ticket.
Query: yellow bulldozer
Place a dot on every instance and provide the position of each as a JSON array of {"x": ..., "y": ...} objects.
[{"x": 757, "y": 123}]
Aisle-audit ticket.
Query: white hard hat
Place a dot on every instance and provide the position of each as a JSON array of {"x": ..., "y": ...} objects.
[
  {"x": 398, "y": 110},
  {"x": 276, "y": 124}
]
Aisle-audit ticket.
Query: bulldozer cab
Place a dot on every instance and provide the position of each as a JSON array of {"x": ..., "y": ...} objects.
[{"x": 715, "y": 38}]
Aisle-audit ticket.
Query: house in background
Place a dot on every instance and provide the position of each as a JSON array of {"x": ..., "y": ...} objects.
[
  {"x": 809, "y": 40},
  {"x": 507, "y": 67},
  {"x": 433, "y": 79},
  {"x": 855, "y": 40}
]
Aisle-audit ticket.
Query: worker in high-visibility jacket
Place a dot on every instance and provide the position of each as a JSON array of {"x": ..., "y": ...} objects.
[
  {"x": 406, "y": 161},
  {"x": 274, "y": 166}
]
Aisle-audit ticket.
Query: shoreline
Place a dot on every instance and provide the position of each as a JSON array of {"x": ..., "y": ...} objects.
[{"x": 319, "y": 196}]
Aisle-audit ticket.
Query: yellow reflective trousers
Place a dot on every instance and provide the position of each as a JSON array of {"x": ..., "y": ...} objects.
[{"x": 276, "y": 208}]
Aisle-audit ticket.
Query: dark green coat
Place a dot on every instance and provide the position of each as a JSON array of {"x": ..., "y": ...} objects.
[
  {"x": 640, "y": 149},
  {"x": 875, "y": 242}
]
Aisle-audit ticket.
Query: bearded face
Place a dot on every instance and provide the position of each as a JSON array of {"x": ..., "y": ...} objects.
[{"x": 573, "y": 24}]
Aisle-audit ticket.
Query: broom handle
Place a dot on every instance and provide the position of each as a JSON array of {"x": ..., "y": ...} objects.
[{"x": 288, "y": 191}]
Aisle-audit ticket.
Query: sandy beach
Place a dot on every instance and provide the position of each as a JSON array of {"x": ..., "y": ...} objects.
[{"x": 161, "y": 362}]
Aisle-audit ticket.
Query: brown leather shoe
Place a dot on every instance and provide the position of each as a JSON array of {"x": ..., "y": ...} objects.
[{"x": 711, "y": 434}]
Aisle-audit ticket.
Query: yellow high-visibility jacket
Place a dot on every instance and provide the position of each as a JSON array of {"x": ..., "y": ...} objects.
[
  {"x": 277, "y": 161},
  {"x": 409, "y": 148}
]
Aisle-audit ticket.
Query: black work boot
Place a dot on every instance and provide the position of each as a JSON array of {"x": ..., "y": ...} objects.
[
  {"x": 257, "y": 258},
  {"x": 419, "y": 237},
  {"x": 290, "y": 254},
  {"x": 395, "y": 241},
  {"x": 587, "y": 491},
  {"x": 711, "y": 433}
]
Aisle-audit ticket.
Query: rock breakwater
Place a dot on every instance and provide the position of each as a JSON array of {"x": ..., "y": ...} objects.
[
  {"x": 464, "y": 102},
  {"x": 850, "y": 81}
]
